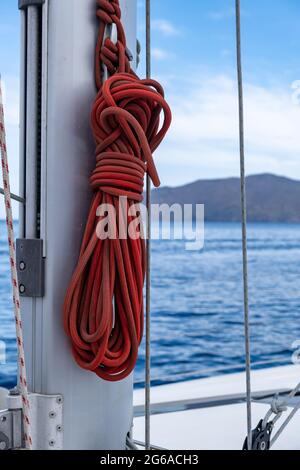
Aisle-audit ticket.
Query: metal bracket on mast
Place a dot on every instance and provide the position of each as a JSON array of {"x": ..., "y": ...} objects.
[
  {"x": 30, "y": 3},
  {"x": 30, "y": 265},
  {"x": 46, "y": 419}
]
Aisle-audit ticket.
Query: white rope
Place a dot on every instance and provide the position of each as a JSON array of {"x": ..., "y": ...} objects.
[
  {"x": 278, "y": 407},
  {"x": 14, "y": 277}
]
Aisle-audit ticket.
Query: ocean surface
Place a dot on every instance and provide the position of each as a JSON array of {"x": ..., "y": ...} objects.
[{"x": 197, "y": 303}]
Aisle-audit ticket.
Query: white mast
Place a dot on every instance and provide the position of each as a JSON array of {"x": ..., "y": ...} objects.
[{"x": 57, "y": 155}]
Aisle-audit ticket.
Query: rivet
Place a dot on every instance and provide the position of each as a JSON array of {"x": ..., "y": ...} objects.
[
  {"x": 22, "y": 266},
  {"x": 22, "y": 289}
]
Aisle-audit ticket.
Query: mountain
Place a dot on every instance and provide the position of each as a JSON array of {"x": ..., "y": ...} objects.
[{"x": 270, "y": 198}]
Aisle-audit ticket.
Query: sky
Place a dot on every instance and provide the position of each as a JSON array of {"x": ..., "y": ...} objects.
[{"x": 193, "y": 55}]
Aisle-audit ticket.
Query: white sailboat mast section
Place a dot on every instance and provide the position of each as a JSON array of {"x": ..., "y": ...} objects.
[{"x": 57, "y": 156}]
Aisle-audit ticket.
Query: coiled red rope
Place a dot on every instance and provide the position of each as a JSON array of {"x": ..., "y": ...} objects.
[{"x": 103, "y": 309}]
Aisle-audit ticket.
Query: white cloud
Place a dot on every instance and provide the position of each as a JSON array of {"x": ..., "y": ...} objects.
[
  {"x": 221, "y": 14},
  {"x": 161, "y": 54},
  {"x": 203, "y": 141},
  {"x": 226, "y": 52},
  {"x": 165, "y": 27}
]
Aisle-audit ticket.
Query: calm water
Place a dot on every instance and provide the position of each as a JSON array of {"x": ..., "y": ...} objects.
[{"x": 197, "y": 303}]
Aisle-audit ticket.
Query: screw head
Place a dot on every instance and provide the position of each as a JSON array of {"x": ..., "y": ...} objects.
[
  {"x": 52, "y": 443},
  {"x": 59, "y": 428},
  {"x": 2, "y": 445},
  {"x": 22, "y": 266},
  {"x": 22, "y": 289},
  {"x": 59, "y": 400},
  {"x": 3, "y": 419},
  {"x": 52, "y": 414}
]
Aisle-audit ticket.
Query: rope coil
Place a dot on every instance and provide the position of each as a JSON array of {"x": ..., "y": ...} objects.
[{"x": 103, "y": 309}]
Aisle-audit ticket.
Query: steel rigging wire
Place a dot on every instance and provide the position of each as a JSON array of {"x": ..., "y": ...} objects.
[
  {"x": 148, "y": 255},
  {"x": 244, "y": 224},
  {"x": 278, "y": 406}
]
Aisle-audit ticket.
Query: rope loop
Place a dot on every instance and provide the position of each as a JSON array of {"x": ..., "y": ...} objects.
[
  {"x": 112, "y": 56},
  {"x": 278, "y": 406}
]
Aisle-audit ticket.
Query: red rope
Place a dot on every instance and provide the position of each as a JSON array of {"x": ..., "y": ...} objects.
[{"x": 103, "y": 310}]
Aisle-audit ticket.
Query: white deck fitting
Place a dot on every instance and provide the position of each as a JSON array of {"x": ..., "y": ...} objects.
[
  {"x": 219, "y": 427},
  {"x": 3, "y": 398}
]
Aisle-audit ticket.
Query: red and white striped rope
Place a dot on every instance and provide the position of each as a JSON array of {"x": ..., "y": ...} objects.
[{"x": 14, "y": 276}]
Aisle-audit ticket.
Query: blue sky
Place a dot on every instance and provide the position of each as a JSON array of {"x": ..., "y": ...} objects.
[
  {"x": 203, "y": 35},
  {"x": 194, "y": 57}
]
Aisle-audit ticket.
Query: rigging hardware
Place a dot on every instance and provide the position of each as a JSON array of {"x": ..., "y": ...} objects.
[
  {"x": 279, "y": 406},
  {"x": 31, "y": 266},
  {"x": 261, "y": 437}
]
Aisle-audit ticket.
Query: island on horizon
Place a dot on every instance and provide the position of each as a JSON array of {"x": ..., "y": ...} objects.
[{"x": 270, "y": 198}]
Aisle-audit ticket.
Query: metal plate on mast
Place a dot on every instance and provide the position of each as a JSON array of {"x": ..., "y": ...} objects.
[
  {"x": 30, "y": 265},
  {"x": 47, "y": 421},
  {"x": 46, "y": 414}
]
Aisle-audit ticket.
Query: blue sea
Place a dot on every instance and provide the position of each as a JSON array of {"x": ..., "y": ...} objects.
[{"x": 197, "y": 303}]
